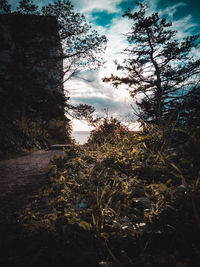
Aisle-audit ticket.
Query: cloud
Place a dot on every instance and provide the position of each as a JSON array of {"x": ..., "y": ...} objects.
[
  {"x": 116, "y": 40},
  {"x": 88, "y": 83},
  {"x": 89, "y": 89},
  {"x": 171, "y": 10},
  {"x": 88, "y": 6},
  {"x": 196, "y": 53},
  {"x": 184, "y": 26},
  {"x": 115, "y": 108},
  {"x": 102, "y": 102}
]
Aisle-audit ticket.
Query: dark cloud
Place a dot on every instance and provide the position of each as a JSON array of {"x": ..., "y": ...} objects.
[
  {"x": 90, "y": 82},
  {"x": 106, "y": 17},
  {"x": 87, "y": 75},
  {"x": 117, "y": 108}
]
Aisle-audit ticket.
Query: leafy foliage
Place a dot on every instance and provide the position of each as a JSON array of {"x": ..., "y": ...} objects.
[
  {"x": 5, "y": 7},
  {"x": 32, "y": 81},
  {"x": 27, "y": 7},
  {"x": 106, "y": 129},
  {"x": 22, "y": 135},
  {"x": 81, "y": 45},
  {"x": 132, "y": 197}
]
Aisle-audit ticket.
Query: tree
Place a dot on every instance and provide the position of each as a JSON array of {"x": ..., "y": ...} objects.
[
  {"x": 27, "y": 7},
  {"x": 81, "y": 46},
  {"x": 190, "y": 108},
  {"x": 32, "y": 78},
  {"x": 159, "y": 69},
  {"x": 5, "y": 7}
]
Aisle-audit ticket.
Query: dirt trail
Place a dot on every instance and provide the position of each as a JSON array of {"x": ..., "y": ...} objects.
[{"x": 20, "y": 178}]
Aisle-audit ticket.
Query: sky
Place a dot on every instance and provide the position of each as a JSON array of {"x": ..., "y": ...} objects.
[{"x": 106, "y": 17}]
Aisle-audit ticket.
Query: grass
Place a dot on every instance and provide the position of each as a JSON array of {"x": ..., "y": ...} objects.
[{"x": 127, "y": 200}]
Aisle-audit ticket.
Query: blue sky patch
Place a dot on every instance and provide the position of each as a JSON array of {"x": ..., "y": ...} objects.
[
  {"x": 125, "y": 4},
  {"x": 181, "y": 10},
  {"x": 103, "y": 18},
  {"x": 184, "y": 14}
]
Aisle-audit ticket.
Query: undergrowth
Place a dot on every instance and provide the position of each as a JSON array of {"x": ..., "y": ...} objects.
[
  {"x": 22, "y": 136},
  {"x": 130, "y": 200}
]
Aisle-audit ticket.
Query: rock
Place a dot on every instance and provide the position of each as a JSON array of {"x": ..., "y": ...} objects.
[{"x": 59, "y": 146}]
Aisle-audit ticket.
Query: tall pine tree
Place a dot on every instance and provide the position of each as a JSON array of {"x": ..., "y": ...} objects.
[{"x": 159, "y": 69}]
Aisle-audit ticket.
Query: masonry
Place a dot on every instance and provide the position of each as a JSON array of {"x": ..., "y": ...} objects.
[{"x": 31, "y": 67}]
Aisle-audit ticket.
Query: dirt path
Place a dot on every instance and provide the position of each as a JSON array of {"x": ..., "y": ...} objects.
[{"x": 20, "y": 178}]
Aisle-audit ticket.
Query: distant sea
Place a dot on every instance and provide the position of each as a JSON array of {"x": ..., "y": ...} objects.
[{"x": 81, "y": 137}]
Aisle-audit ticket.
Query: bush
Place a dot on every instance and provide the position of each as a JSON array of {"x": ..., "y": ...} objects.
[
  {"x": 22, "y": 135},
  {"x": 129, "y": 197},
  {"x": 106, "y": 130},
  {"x": 59, "y": 131}
]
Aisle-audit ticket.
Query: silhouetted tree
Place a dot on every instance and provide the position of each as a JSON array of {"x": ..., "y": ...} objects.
[
  {"x": 80, "y": 48},
  {"x": 5, "y": 7},
  {"x": 159, "y": 69},
  {"x": 81, "y": 45},
  {"x": 32, "y": 87},
  {"x": 27, "y": 7},
  {"x": 190, "y": 109}
]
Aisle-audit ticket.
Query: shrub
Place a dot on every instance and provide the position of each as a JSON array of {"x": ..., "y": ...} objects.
[
  {"x": 21, "y": 135},
  {"x": 105, "y": 131},
  {"x": 129, "y": 195}
]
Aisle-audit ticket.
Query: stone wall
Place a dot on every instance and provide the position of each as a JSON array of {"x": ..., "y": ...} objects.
[{"x": 30, "y": 63}]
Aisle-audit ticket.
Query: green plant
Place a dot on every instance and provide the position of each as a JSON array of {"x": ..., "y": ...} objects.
[{"x": 126, "y": 196}]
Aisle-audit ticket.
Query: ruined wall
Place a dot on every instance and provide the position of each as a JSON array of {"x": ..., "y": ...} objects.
[{"x": 31, "y": 67}]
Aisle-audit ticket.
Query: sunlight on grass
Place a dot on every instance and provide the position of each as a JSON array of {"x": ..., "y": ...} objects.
[{"x": 125, "y": 193}]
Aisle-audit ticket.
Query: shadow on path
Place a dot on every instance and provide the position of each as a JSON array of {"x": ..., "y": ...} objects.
[{"x": 21, "y": 178}]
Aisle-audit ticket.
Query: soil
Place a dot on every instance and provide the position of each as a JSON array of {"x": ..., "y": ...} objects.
[{"x": 21, "y": 178}]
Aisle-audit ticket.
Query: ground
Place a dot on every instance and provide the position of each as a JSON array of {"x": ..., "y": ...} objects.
[{"x": 21, "y": 178}]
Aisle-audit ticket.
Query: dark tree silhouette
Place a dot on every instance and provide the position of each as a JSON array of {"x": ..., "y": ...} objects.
[
  {"x": 159, "y": 69},
  {"x": 56, "y": 43},
  {"x": 81, "y": 48},
  {"x": 5, "y": 7},
  {"x": 81, "y": 45},
  {"x": 27, "y": 7}
]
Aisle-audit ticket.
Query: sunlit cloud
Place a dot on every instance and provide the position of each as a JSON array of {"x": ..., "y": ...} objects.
[
  {"x": 105, "y": 17},
  {"x": 88, "y": 6},
  {"x": 102, "y": 96},
  {"x": 90, "y": 89}
]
